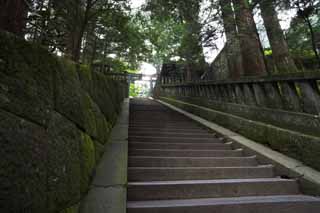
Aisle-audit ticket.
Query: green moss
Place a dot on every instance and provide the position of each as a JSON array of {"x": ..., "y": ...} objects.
[
  {"x": 102, "y": 95},
  {"x": 23, "y": 165},
  {"x": 88, "y": 161},
  {"x": 63, "y": 161},
  {"x": 85, "y": 76},
  {"x": 72, "y": 209},
  {"x": 68, "y": 92},
  {"x": 301, "y": 147},
  {"x": 89, "y": 114},
  {"x": 99, "y": 151},
  {"x": 104, "y": 129},
  {"x": 27, "y": 80}
]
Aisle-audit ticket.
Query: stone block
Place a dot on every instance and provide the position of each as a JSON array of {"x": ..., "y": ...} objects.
[
  {"x": 101, "y": 94},
  {"x": 68, "y": 92},
  {"x": 298, "y": 146},
  {"x": 95, "y": 124},
  {"x": 64, "y": 163},
  {"x": 301, "y": 122},
  {"x": 72, "y": 209},
  {"x": 99, "y": 148},
  {"x": 23, "y": 173},
  {"x": 88, "y": 161},
  {"x": 26, "y": 83},
  {"x": 85, "y": 75},
  {"x": 89, "y": 110}
]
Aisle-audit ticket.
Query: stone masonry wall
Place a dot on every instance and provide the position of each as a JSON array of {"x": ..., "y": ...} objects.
[{"x": 54, "y": 123}]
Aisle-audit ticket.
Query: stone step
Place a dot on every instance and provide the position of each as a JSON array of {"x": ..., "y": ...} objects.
[
  {"x": 155, "y": 122},
  {"x": 148, "y": 161},
  {"x": 164, "y": 125},
  {"x": 173, "y": 139},
  {"x": 170, "y": 134},
  {"x": 180, "y": 146},
  {"x": 164, "y": 129},
  {"x": 185, "y": 153},
  {"x": 197, "y": 173},
  {"x": 256, "y": 204},
  {"x": 166, "y": 190}
]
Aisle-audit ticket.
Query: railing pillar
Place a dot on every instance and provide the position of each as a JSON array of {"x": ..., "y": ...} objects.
[
  {"x": 239, "y": 94},
  {"x": 208, "y": 91},
  {"x": 225, "y": 93},
  {"x": 273, "y": 95},
  {"x": 290, "y": 96},
  {"x": 310, "y": 96},
  {"x": 198, "y": 91},
  {"x": 212, "y": 92},
  {"x": 219, "y": 93},
  {"x": 231, "y": 92},
  {"x": 260, "y": 95},
  {"x": 249, "y": 95}
]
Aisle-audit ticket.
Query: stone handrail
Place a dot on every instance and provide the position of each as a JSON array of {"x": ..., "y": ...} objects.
[{"x": 298, "y": 92}]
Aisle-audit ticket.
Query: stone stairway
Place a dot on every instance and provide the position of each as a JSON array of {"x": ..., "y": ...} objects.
[{"x": 177, "y": 166}]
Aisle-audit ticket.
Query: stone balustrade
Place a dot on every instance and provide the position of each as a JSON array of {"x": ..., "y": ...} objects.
[{"x": 297, "y": 92}]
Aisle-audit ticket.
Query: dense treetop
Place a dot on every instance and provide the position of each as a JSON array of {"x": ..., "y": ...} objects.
[{"x": 112, "y": 34}]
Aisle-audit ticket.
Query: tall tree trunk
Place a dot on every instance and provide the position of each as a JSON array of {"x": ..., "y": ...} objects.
[
  {"x": 233, "y": 46},
  {"x": 253, "y": 59},
  {"x": 192, "y": 49},
  {"x": 13, "y": 15},
  {"x": 73, "y": 47},
  {"x": 279, "y": 46},
  {"x": 83, "y": 18}
]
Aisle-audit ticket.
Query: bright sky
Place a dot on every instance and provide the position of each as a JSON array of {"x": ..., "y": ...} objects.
[
  {"x": 135, "y": 4},
  {"x": 147, "y": 69}
]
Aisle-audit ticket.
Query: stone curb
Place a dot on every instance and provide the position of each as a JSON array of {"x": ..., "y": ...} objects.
[
  {"x": 108, "y": 192},
  {"x": 308, "y": 177}
]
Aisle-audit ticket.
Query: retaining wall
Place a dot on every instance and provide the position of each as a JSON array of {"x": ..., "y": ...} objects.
[
  {"x": 301, "y": 145},
  {"x": 54, "y": 123}
]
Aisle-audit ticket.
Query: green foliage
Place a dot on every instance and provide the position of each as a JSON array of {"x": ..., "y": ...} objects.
[
  {"x": 267, "y": 52},
  {"x": 72, "y": 209},
  {"x": 175, "y": 24},
  {"x": 299, "y": 39},
  {"x": 135, "y": 90}
]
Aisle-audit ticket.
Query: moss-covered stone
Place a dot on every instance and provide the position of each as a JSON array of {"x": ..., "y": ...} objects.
[
  {"x": 23, "y": 173},
  {"x": 101, "y": 95},
  {"x": 72, "y": 209},
  {"x": 88, "y": 161},
  {"x": 68, "y": 92},
  {"x": 95, "y": 124},
  {"x": 99, "y": 148},
  {"x": 50, "y": 114},
  {"x": 301, "y": 147},
  {"x": 26, "y": 86},
  {"x": 103, "y": 128},
  {"x": 90, "y": 113},
  {"x": 85, "y": 75},
  {"x": 64, "y": 162},
  {"x": 296, "y": 121}
]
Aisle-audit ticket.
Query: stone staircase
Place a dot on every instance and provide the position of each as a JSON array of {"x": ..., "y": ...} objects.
[{"x": 177, "y": 166}]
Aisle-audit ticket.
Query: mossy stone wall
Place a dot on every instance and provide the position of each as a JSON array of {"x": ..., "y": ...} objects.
[{"x": 54, "y": 123}]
